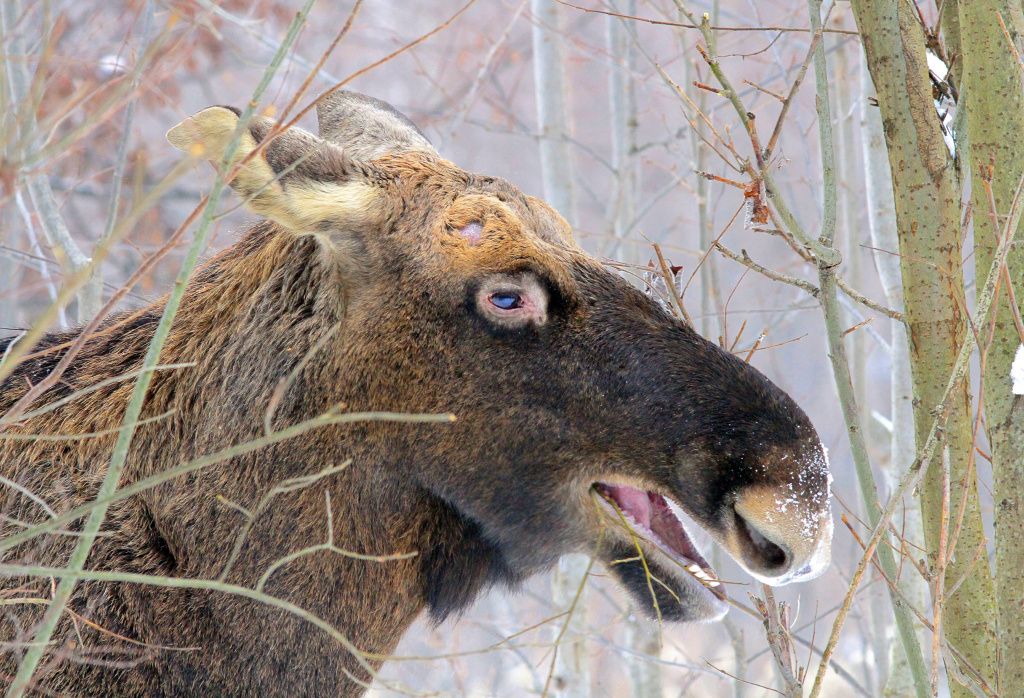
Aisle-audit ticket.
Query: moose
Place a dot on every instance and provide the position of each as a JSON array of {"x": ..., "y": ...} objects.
[{"x": 383, "y": 278}]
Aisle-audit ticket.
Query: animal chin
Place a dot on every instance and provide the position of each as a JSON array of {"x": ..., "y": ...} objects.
[{"x": 667, "y": 575}]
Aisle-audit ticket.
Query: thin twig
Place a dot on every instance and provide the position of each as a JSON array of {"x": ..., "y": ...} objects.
[
  {"x": 670, "y": 284},
  {"x": 38, "y": 185},
  {"x": 187, "y": 583},
  {"x": 744, "y": 259},
  {"x": 326, "y": 419},
  {"x": 864, "y": 300},
  {"x": 693, "y": 25},
  {"x": 565, "y": 626}
]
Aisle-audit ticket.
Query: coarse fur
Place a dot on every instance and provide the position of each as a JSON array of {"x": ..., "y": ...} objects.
[{"x": 361, "y": 292}]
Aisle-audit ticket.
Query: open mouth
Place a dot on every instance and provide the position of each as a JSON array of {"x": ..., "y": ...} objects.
[{"x": 651, "y": 517}]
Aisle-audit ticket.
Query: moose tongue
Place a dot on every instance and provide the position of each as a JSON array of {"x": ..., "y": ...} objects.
[
  {"x": 651, "y": 511},
  {"x": 634, "y": 502}
]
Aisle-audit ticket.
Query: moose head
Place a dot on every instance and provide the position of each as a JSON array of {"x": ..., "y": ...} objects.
[
  {"x": 385, "y": 278},
  {"x": 587, "y": 417}
]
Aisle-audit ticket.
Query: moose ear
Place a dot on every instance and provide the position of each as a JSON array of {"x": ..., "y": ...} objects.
[
  {"x": 297, "y": 180},
  {"x": 367, "y": 128}
]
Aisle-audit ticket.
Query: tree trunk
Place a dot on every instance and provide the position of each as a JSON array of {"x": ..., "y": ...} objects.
[
  {"x": 622, "y": 106},
  {"x": 642, "y": 635},
  {"x": 881, "y": 212},
  {"x": 927, "y": 200},
  {"x": 551, "y": 91},
  {"x": 571, "y": 677},
  {"x": 992, "y": 96}
]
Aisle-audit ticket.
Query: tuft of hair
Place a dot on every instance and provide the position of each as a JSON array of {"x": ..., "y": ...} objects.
[{"x": 460, "y": 567}]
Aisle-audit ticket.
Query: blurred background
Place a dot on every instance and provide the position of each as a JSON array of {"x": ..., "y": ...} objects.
[{"x": 597, "y": 113}]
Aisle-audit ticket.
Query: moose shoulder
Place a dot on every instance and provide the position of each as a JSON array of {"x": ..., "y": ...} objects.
[{"x": 385, "y": 278}]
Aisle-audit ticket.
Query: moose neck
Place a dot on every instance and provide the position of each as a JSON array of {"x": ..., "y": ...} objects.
[
  {"x": 422, "y": 552},
  {"x": 278, "y": 364},
  {"x": 257, "y": 317}
]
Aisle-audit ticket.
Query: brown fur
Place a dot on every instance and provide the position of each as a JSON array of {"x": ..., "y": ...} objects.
[{"x": 371, "y": 308}]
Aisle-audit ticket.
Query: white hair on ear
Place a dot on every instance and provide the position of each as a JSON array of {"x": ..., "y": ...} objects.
[{"x": 298, "y": 180}]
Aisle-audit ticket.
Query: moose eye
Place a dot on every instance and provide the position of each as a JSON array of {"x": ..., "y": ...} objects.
[
  {"x": 506, "y": 300},
  {"x": 512, "y": 300}
]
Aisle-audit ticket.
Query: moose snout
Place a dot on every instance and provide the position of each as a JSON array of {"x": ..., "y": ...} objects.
[{"x": 780, "y": 537}]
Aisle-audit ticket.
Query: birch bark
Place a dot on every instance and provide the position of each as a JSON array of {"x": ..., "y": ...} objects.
[
  {"x": 927, "y": 199},
  {"x": 994, "y": 101},
  {"x": 881, "y": 215}
]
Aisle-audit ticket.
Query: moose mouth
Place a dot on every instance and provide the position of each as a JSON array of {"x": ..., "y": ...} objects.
[{"x": 655, "y": 558}]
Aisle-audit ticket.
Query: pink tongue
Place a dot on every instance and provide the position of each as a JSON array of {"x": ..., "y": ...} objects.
[{"x": 634, "y": 502}]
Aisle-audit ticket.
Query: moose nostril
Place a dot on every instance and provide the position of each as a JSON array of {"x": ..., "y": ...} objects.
[{"x": 771, "y": 556}]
